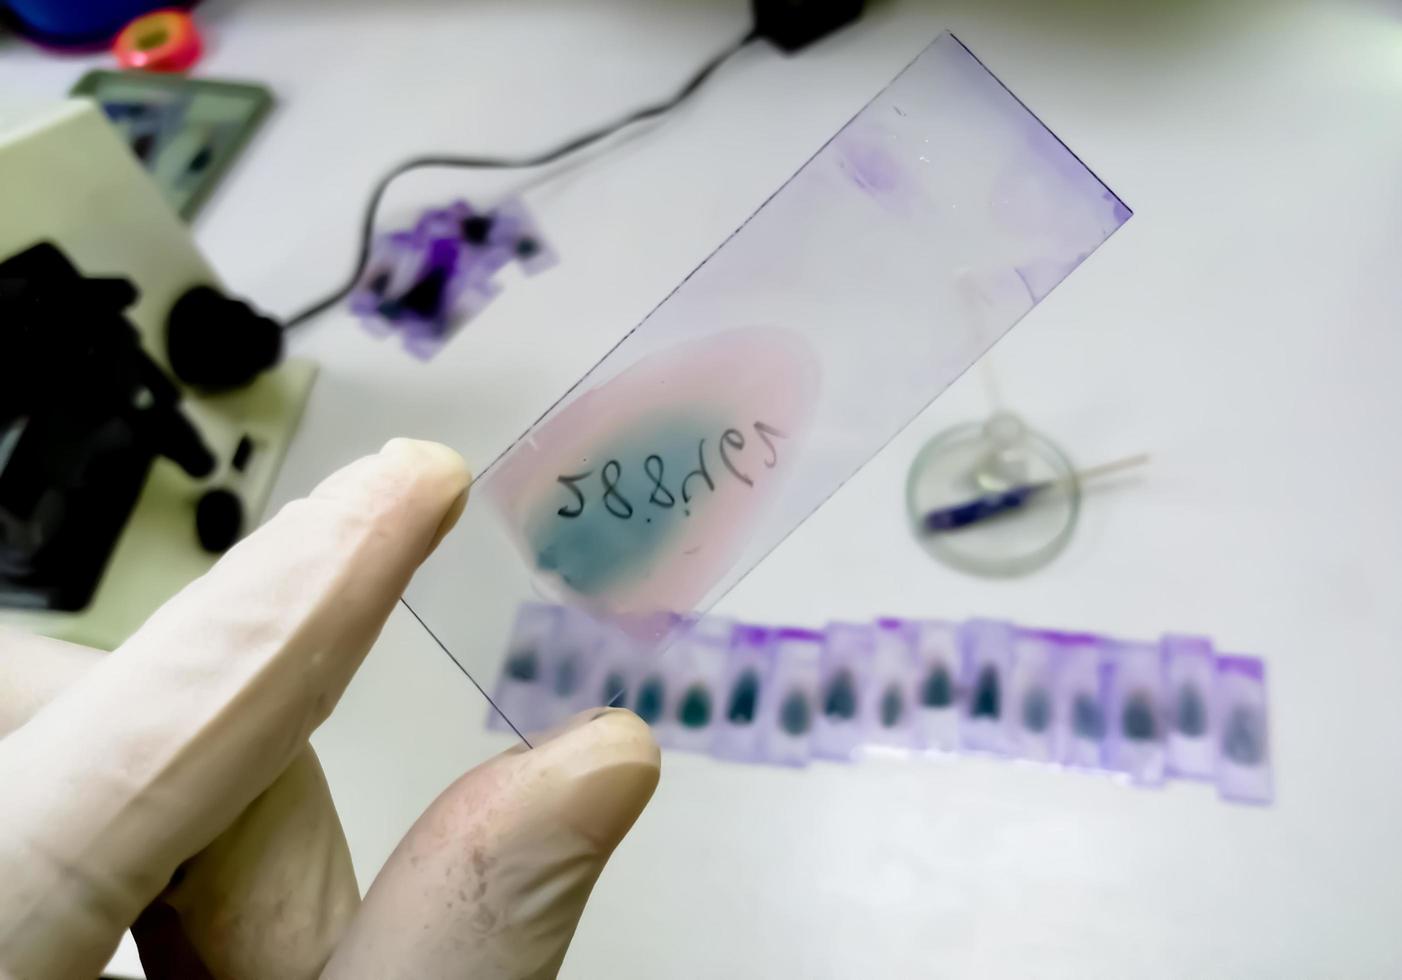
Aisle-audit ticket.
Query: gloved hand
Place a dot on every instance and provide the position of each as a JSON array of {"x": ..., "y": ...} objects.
[{"x": 174, "y": 776}]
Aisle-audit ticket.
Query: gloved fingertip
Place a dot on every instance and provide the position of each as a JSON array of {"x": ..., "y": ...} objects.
[
  {"x": 424, "y": 478},
  {"x": 492, "y": 879},
  {"x": 450, "y": 519},
  {"x": 575, "y": 721},
  {"x": 611, "y": 765},
  {"x": 443, "y": 465},
  {"x": 428, "y": 453}
]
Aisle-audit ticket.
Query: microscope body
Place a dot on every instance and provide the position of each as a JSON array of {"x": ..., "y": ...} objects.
[
  {"x": 84, "y": 411},
  {"x": 117, "y": 414}
]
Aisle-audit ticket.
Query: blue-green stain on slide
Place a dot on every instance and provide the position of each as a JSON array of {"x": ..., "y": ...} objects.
[{"x": 624, "y": 523}]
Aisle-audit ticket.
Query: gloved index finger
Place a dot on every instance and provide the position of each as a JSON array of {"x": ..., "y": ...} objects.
[{"x": 147, "y": 758}]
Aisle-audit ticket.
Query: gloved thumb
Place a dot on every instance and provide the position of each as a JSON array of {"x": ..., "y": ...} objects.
[{"x": 492, "y": 879}]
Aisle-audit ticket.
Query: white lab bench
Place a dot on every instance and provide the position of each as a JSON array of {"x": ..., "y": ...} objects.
[{"x": 1242, "y": 327}]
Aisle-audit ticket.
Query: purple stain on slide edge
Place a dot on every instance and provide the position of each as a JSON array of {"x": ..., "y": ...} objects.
[{"x": 870, "y": 167}]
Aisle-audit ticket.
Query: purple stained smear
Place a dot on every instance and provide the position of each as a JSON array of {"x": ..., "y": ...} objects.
[
  {"x": 1062, "y": 689},
  {"x": 1250, "y": 667},
  {"x": 869, "y": 163},
  {"x": 1058, "y": 636},
  {"x": 872, "y": 155},
  {"x": 426, "y": 282}
]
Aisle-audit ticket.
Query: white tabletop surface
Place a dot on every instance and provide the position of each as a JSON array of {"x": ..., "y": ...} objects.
[{"x": 1242, "y": 327}]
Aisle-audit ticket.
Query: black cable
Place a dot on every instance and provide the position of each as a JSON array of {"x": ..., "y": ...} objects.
[{"x": 367, "y": 227}]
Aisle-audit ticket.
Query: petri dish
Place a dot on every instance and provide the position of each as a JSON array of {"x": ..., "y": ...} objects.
[{"x": 980, "y": 458}]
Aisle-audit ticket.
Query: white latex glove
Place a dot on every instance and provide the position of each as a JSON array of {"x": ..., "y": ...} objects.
[{"x": 170, "y": 784}]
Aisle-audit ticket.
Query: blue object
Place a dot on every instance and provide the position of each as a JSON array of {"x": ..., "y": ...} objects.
[
  {"x": 980, "y": 509},
  {"x": 1014, "y": 498},
  {"x": 78, "y": 24}
]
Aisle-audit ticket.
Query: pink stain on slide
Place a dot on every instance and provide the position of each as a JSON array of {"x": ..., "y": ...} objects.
[{"x": 640, "y": 494}]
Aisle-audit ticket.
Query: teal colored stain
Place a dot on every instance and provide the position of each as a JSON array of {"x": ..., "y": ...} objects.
[
  {"x": 987, "y": 701},
  {"x": 522, "y": 666},
  {"x": 695, "y": 710},
  {"x": 1192, "y": 712},
  {"x": 566, "y": 677},
  {"x": 744, "y": 699},
  {"x": 1244, "y": 739},
  {"x": 937, "y": 691},
  {"x": 1036, "y": 711},
  {"x": 615, "y": 689},
  {"x": 841, "y": 700},
  {"x": 892, "y": 707},
  {"x": 1087, "y": 720},
  {"x": 1137, "y": 721},
  {"x": 794, "y": 715},
  {"x": 649, "y": 704},
  {"x": 620, "y": 532}
]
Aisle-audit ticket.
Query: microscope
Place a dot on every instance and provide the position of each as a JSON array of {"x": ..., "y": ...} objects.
[
  {"x": 144, "y": 412},
  {"x": 84, "y": 411}
]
